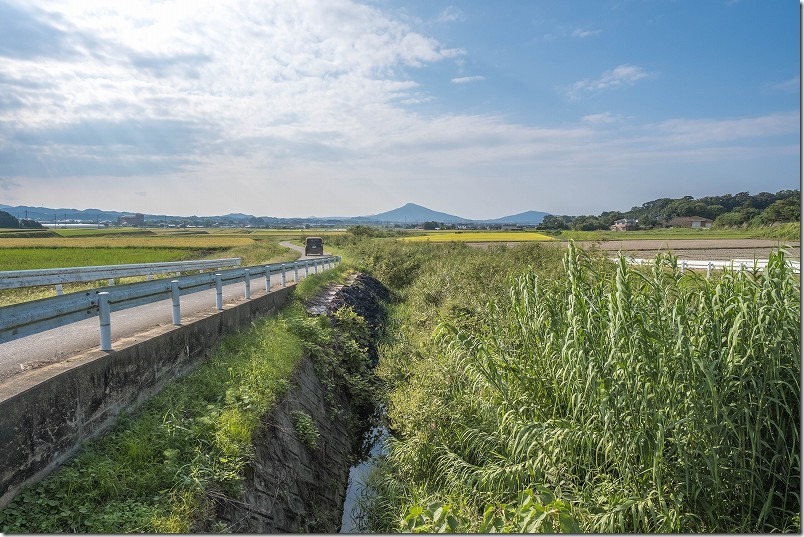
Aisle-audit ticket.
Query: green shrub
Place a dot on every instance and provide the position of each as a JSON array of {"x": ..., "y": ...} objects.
[{"x": 306, "y": 429}]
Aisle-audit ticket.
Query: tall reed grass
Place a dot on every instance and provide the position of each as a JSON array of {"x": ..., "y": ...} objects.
[{"x": 648, "y": 400}]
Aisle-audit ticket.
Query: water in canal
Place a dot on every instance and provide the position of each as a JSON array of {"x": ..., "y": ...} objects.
[{"x": 376, "y": 438}]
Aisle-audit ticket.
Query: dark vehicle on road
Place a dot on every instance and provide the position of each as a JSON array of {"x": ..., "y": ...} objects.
[{"x": 314, "y": 246}]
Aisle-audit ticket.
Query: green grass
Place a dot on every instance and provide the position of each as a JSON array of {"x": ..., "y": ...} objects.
[
  {"x": 151, "y": 471},
  {"x": 41, "y": 258},
  {"x": 159, "y": 469}
]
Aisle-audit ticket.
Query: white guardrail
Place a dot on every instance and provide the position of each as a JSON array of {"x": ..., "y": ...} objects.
[
  {"x": 29, "y": 278},
  {"x": 709, "y": 266},
  {"x": 19, "y": 320}
]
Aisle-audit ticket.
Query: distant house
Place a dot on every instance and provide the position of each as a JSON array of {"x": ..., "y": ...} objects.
[
  {"x": 695, "y": 222},
  {"x": 137, "y": 219},
  {"x": 625, "y": 224}
]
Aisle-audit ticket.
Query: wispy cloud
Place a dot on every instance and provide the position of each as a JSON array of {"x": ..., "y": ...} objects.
[
  {"x": 621, "y": 76},
  {"x": 451, "y": 14},
  {"x": 7, "y": 184},
  {"x": 580, "y": 32},
  {"x": 467, "y": 79},
  {"x": 603, "y": 118},
  {"x": 792, "y": 85},
  {"x": 705, "y": 132}
]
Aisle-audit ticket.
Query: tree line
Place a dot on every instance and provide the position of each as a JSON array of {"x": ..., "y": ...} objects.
[
  {"x": 8, "y": 220},
  {"x": 741, "y": 209}
]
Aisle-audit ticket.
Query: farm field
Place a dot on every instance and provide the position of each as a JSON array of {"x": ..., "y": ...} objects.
[
  {"x": 478, "y": 236},
  {"x": 90, "y": 247},
  {"x": 56, "y": 257},
  {"x": 790, "y": 231},
  {"x": 702, "y": 249}
]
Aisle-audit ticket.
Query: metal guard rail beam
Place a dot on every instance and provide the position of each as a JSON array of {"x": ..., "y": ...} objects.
[
  {"x": 28, "y": 278},
  {"x": 19, "y": 320}
]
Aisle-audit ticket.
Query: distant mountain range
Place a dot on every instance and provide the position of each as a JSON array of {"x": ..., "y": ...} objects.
[
  {"x": 407, "y": 214},
  {"x": 416, "y": 214}
]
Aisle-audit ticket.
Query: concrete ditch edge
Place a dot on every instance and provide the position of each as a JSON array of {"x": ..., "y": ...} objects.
[{"x": 47, "y": 414}]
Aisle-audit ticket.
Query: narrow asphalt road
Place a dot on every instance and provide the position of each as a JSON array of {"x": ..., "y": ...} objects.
[{"x": 58, "y": 344}]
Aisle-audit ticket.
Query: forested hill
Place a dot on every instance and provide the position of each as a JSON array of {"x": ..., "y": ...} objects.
[{"x": 727, "y": 210}]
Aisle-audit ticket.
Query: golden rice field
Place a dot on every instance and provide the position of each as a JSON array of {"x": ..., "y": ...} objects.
[{"x": 479, "y": 236}]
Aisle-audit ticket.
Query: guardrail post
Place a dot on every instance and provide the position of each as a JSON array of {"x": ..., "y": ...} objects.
[
  {"x": 267, "y": 279},
  {"x": 306, "y": 268},
  {"x": 105, "y": 321},
  {"x": 683, "y": 266},
  {"x": 59, "y": 289},
  {"x": 218, "y": 292},
  {"x": 709, "y": 267},
  {"x": 174, "y": 294},
  {"x": 284, "y": 279},
  {"x": 247, "y": 278},
  {"x": 295, "y": 272},
  {"x": 742, "y": 267},
  {"x": 149, "y": 277},
  {"x": 110, "y": 282}
]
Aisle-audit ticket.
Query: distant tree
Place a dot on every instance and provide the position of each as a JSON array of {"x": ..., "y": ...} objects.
[
  {"x": 608, "y": 218},
  {"x": 552, "y": 221},
  {"x": 30, "y": 224},
  {"x": 587, "y": 223},
  {"x": 762, "y": 200},
  {"x": 430, "y": 225},
  {"x": 744, "y": 215},
  {"x": 784, "y": 210},
  {"x": 8, "y": 220}
]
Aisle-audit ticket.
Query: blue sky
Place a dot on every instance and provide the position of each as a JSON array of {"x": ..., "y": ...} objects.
[{"x": 336, "y": 107}]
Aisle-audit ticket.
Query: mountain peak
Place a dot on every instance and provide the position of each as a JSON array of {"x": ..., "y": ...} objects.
[{"x": 412, "y": 213}]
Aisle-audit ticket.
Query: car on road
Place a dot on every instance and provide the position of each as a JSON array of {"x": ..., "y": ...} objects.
[{"x": 314, "y": 246}]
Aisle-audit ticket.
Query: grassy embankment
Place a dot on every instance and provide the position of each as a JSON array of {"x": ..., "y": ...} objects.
[
  {"x": 160, "y": 469},
  {"x": 526, "y": 393},
  {"x": 81, "y": 247}
]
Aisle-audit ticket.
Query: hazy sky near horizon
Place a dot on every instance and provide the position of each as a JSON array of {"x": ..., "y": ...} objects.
[{"x": 344, "y": 108}]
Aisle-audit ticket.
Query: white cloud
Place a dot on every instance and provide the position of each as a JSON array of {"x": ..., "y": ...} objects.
[
  {"x": 451, "y": 14},
  {"x": 621, "y": 76},
  {"x": 705, "y": 132},
  {"x": 792, "y": 85},
  {"x": 602, "y": 118},
  {"x": 584, "y": 33},
  {"x": 467, "y": 79}
]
